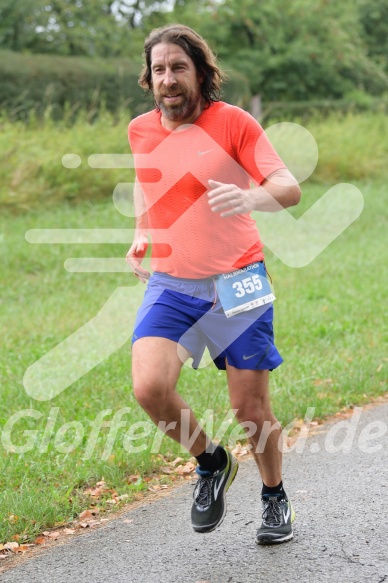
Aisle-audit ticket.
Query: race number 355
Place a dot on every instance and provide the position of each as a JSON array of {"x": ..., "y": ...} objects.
[{"x": 247, "y": 286}]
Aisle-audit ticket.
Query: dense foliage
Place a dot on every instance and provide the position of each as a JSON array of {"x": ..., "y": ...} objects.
[
  {"x": 40, "y": 83},
  {"x": 283, "y": 51}
]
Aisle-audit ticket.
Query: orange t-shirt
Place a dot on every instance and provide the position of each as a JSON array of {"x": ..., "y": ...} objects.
[{"x": 225, "y": 144}]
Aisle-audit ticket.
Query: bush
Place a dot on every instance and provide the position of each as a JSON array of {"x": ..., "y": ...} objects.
[
  {"x": 42, "y": 83},
  {"x": 302, "y": 111},
  {"x": 36, "y": 82}
]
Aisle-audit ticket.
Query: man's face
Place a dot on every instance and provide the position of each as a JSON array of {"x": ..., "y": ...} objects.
[{"x": 175, "y": 83}]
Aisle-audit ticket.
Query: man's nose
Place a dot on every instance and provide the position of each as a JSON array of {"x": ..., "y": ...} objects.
[{"x": 169, "y": 78}]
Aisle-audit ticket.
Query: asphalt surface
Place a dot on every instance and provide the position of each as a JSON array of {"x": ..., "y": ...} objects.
[{"x": 341, "y": 527}]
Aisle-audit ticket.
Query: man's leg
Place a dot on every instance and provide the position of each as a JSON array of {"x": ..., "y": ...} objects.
[
  {"x": 156, "y": 366},
  {"x": 155, "y": 371},
  {"x": 249, "y": 395}
]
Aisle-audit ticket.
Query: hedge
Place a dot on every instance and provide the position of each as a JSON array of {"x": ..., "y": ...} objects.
[
  {"x": 39, "y": 83},
  {"x": 36, "y": 82}
]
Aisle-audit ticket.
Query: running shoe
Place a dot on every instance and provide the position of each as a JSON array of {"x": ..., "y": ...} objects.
[
  {"x": 278, "y": 516},
  {"x": 209, "y": 506}
]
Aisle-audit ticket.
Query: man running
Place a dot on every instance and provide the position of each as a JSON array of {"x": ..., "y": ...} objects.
[{"x": 202, "y": 166}]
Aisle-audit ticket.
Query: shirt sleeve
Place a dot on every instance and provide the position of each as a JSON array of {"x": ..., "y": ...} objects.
[{"x": 254, "y": 151}]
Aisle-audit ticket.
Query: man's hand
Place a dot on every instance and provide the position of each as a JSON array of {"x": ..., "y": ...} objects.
[
  {"x": 229, "y": 199},
  {"x": 136, "y": 255},
  {"x": 277, "y": 192}
]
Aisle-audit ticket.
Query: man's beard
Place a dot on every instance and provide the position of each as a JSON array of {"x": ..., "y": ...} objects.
[{"x": 182, "y": 110}]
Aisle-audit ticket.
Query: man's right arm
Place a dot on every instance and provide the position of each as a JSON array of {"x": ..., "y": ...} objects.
[{"x": 139, "y": 246}]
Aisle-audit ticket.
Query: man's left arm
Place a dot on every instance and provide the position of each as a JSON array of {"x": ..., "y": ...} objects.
[{"x": 279, "y": 191}]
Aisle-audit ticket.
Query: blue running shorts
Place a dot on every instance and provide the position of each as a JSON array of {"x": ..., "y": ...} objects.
[{"x": 189, "y": 312}]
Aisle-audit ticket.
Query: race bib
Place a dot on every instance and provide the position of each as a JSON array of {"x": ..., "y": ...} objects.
[{"x": 244, "y": 289}]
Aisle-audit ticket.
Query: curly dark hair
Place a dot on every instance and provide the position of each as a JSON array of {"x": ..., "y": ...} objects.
[{"x": 196, "y": 48}]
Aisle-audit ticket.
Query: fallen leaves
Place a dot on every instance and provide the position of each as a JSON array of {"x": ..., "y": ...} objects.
[
  {"x": 241, "y": 450},
  {"x": 185, "y": 469},
  {"x": 177, "y": 469},
  {"x": 87, "y": 518},
  {"x": 301, "y": 427},
  {"x": 89, "y": 514},
  {"x": 101, "y": 490},
  {"x": 52, "y": 535},
  {"x": 10, "y": 548},
  {"x": 101, "y": 493},
  {"x": 133, "y": 479}
]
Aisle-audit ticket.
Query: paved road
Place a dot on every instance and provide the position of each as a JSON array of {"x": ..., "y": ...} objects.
[{"x": 341, "y": 531}]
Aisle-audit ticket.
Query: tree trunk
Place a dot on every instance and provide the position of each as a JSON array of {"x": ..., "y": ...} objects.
[{"x": 256, "y": 108}]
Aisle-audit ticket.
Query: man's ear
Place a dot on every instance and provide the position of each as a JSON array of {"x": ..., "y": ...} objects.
[{"x": 200, "y": 76}]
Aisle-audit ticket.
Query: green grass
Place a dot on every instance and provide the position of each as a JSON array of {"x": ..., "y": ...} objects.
[
  {"x": 31, "y": 170},
  {"x": 329, "y": 327},
  {"x": 351, "y": 147},
  {"x": 330, "y": 316}
]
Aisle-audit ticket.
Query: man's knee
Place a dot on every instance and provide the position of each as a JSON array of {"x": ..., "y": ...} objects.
[
  {"x": 145, "y": 392},
  {"x": 259, "y": 425},
  {"x": 150, "y": 393},
  {"x": 258, "y": 411}
]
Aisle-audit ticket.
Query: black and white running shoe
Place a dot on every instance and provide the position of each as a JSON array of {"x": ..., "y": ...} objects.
[
  {"x": 209, "y": 506},
  {"x": 278, "y": 516}
]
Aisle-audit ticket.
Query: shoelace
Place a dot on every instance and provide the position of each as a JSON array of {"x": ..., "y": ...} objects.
[
  {"x": 272, "y": 514},
  {"x": 203, "y": 490}
]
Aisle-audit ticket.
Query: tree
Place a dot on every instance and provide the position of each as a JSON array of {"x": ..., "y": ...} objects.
[
  {"x": 18, "y": 21},
  {"x": 296, "y": 50},
  {"x": 300, "y": 50},
  {"x": 374, "y": 24},
  {"x": 73, "y": 27}
]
